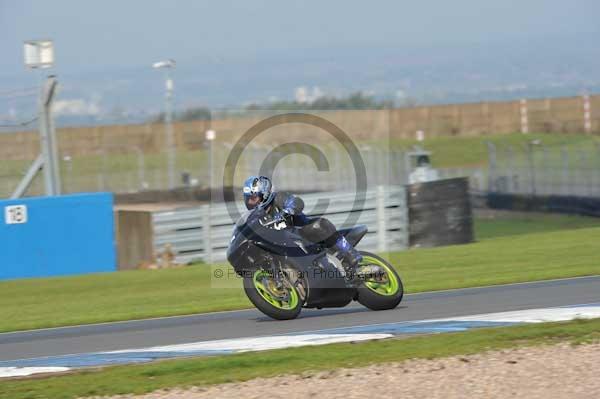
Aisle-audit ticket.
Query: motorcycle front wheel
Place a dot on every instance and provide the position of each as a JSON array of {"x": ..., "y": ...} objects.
[
  {"x": 276, "y": 300},
  {"x": 382, "y": 287}
]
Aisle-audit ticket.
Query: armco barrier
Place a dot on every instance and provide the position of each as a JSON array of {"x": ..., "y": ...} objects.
[
  {"x": 204, "y": 232},
  {"x": 49, "y": 236}
]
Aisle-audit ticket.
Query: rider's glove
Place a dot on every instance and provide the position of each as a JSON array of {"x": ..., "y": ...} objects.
[
  {"x": 289, "y": 207},
  {"x": 279, "y": 216}
]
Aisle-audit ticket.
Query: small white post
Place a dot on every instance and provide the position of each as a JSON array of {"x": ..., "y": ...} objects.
[
  {"x": 381, "y": 222},
  {"x": 524, "y": 120},
  {"x": 420, "y": 135},
  {"x": 211, "y": 135},
  {"x": 587, "y": 120}
]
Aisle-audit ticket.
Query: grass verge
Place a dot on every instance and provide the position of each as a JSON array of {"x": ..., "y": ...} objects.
[
  {"x": 52, "y": 302},
  {"x": 495, "y": 224},
  {"x": 139, "y": 379}
]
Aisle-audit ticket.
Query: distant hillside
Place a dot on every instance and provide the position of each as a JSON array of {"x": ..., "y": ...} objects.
[{"x": 399, "y": 75}]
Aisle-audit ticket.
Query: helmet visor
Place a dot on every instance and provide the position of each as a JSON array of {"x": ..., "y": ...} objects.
[{"x": 252, "y": 200}]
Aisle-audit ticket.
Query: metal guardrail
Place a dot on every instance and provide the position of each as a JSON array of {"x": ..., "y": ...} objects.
[{"x": 203, "y": 232}]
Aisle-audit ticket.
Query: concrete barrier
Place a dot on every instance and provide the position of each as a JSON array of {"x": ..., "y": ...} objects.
[{"x": 50, "y": 236}]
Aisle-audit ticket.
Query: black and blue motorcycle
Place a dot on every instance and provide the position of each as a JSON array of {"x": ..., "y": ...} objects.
[{"x": 282, "y": 272}]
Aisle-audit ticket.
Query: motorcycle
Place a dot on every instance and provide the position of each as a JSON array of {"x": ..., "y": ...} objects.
[{"x": 283, "y": 272}]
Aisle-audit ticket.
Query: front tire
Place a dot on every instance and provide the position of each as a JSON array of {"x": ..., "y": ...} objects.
[
  {"x": 383, "y": 292},
  {"x": 279, "y": 303}
]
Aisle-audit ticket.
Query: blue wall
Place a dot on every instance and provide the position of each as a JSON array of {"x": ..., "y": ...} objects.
[{"x": 70, "y": 234}]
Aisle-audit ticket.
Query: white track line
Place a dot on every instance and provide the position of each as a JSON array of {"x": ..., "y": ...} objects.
[{"x": 322, "y": 337}]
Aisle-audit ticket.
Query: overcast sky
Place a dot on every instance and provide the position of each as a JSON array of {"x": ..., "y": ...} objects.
[{"x": 134, "y": 33}]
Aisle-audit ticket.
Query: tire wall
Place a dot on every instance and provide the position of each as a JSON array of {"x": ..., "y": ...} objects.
[{"x": 439, "y": 213}]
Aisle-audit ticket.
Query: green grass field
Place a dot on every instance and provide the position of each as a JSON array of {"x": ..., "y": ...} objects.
[
  {"x": 498, "y": 258},
  {"x": 140, "y": 379},
  {"x": 452, "y": 152}
]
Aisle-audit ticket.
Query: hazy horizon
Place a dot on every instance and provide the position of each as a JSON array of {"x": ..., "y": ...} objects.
[{"x": 232, "y": 53}]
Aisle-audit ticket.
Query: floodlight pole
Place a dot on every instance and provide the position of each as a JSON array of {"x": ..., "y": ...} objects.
[
  {"x": 169, "y": 129},
  {"x": 39, "y": 54},
  {"x": 48, "y": 139},
  {"x": 48, "y": 159},
  {"x": 169, "y": 139}
]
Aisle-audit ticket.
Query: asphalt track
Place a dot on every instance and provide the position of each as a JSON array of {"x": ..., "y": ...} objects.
[{"x": 251, "y": 323}]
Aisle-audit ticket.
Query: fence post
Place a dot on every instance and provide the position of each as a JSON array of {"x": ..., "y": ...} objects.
[
  {"x": 587, "y": 184},
  {"x": 524, "y": 119},
  {"x": 491, "y": 165},
  {"x": 548, "y": 178},
  {"x": 587, "y": 123},
  {"x": 595, "y": 159},
  {"x": 531, "y": 168},
  {"x": 565, "y": 174},
  {"x": 206, "y": 227},
  {"x": 381, "y": 220}
]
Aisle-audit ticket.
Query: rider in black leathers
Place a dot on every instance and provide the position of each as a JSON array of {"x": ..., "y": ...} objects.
[{"x": 286, "y": 208}]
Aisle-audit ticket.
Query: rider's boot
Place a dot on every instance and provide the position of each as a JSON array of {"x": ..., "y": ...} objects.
[{"x": 349, "y": 256}]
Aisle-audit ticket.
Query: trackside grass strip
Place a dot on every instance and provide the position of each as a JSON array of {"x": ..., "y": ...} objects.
[
  {"x": 507, "y": 224},
  {"x": 139, "y": 379},
  {"x": 127, "y": 295}
]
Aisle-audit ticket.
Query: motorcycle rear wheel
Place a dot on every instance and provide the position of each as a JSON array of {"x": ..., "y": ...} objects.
[
  {"x": 383, "y": 293},
  {"x": 280, "y": 302}
]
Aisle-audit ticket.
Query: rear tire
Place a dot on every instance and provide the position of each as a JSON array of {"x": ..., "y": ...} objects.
[
  {"x": 268, "y": 303},
  {"x": 370, "y": 295}
]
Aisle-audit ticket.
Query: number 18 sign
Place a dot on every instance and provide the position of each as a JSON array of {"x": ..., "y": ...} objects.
[{"x": 15, "y": 214}]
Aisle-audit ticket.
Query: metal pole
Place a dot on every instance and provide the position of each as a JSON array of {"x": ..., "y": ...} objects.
[
  {"x": 565, "y": 174},
  {"x": 547, "y": 173},
  {"x": 29, "y": 176},
  {"x": 491, "y": 166},
  {"x": 169, "y": 140},
  {"x": 381, "y": 219},
  {"x": 211, "y": 160},
  {"x": 48, "y": 138},
  {"x": 513, "y": 184},
  {"x": 531, "y": 168},
  {"x": 210, "y": 136}
]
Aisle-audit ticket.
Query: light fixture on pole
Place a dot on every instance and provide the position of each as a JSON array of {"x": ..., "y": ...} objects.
[
  {"x": 39, "y": 54},
  {"x": 210, "y": 136},
  {"x": 167, "y": 65}
]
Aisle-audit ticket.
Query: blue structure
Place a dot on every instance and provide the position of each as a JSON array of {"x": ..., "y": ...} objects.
[{"x": 50, "y": 236}]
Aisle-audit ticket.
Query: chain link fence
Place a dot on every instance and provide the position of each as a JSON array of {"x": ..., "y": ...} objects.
[
  {"x": 539, "y": 169},
  {"x": 18, "y": 112},
  {"x": 129, "y": 169},
  {"x": 126, "y": 158}
]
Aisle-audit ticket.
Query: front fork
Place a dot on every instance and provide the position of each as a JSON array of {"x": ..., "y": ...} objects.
[{"x": 287, "y": 278}]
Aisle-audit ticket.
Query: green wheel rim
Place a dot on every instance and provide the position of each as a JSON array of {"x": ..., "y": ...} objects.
[
  {"x": 260, "y": 278},
  {"x": 390, "y": 287}
]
